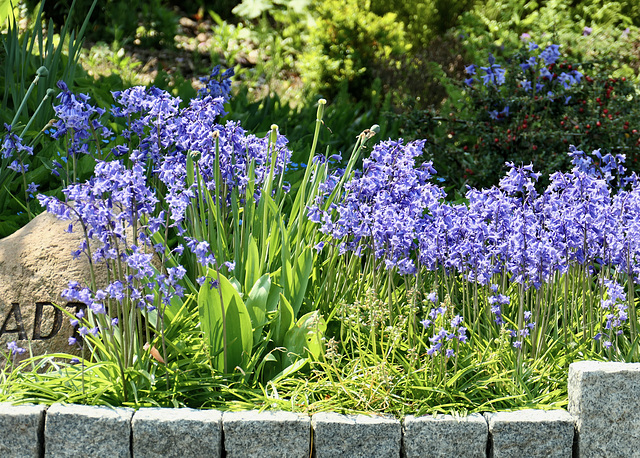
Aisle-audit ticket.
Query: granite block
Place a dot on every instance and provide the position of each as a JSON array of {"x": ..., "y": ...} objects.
[
  {"x": 531, "y": 433},
  {"x": 176, "y": 433},
  {"x": 355, "y": 436},
  {"x": 266, "y": 434},
  {"x": 605, "y": 399},
  {"x": 95, "y": 431},
  {"x": 445, "y": 436},
  {"x": 22, "y": 429}
]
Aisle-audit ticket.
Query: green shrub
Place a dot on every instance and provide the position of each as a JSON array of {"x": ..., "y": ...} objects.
[
  {"x": 344, "y": 44},
  {"x": 491, "y": 121},
  {"x": 151, "y": 21},
  {"x": 32, "y": 63},
  {"x": 585, "y": 32},
  {"x": 424, "y": 19}
]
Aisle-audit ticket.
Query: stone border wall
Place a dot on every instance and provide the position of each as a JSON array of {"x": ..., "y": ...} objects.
[{"x": 603, "y": 421}]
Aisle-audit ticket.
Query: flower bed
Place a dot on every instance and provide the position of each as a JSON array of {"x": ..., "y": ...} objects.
[{"x": 236, "y": 277}]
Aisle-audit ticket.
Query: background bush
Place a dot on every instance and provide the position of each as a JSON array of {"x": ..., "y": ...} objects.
[
  {"x": 488, "y": 125},
  {"x": 152, "y": 21},
  {"x": 401, "y": 65},
  {"x": 424, "y": 21},
  {"x": 346, "y": 40}
]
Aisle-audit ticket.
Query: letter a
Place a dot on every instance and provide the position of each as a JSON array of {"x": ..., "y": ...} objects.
[{"x": 15, "y": 312}]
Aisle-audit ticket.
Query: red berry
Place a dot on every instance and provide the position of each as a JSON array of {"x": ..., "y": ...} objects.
[{"x": 598, "y": 124}]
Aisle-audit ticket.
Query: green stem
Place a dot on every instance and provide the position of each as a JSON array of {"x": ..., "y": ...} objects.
[{"x": 42, "y": 71}]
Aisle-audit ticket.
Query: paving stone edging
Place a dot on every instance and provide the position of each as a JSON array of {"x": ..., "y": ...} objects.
[{"x": 603, "y": 420}]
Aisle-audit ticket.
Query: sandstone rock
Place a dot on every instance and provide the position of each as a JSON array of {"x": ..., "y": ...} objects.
[{"x": 36, "y": 265}]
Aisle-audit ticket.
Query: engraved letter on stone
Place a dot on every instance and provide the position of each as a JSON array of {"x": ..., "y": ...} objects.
[
  {"x": 17, "y": 316},
  {"x": 55, "y": 327}
]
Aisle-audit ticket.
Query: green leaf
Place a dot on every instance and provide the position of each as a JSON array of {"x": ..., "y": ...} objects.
[
  {"x": 297, "y": 6},
  {"x": 257, "y": 305},
  {"x": 295, "y": 287},
  {"x": 251, "y": 9},
  {"x": 6, "y": 10},
  {"x": 236, "y": 285},
  {"x": 191, "y": 176},
  {"x": 235, "y": 321},
  {"x": 284, "y": 321},
  {"x": 287, "y": 371},
  {"x": 252, "y": 266},
  {"x": 305, "y": 337},
  {"x": 274, "y": 298}
]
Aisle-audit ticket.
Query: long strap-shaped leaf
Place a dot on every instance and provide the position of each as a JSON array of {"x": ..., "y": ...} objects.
[{"x": 226, "y": 323}]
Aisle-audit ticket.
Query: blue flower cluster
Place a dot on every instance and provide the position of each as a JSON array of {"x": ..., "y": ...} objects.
[
  {"x": 144, "y": 190},
  {"x": 447, "y": 329},
  {"x": 587, "y": 217},
  {"x": 12, "y": 147},
  {"x": 537, "y": 76},
  {"x": 217, "y": 84},
  {"x": 383, "y": 205},
  {"x": 615, "y": 308},
  {"x": 79, "y": 120}
]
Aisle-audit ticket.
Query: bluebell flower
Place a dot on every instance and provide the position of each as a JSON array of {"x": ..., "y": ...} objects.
[
  {"x": 545, "y": 73},
  {"x": 529, "y": 63},
  {"x": 13, "y": 146},
  {"x": 493, "y": 74},
  {"x": 14, "y": 348},
  {"x": 217, "y": 84},
  {"x": 550, "y": 54}
]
